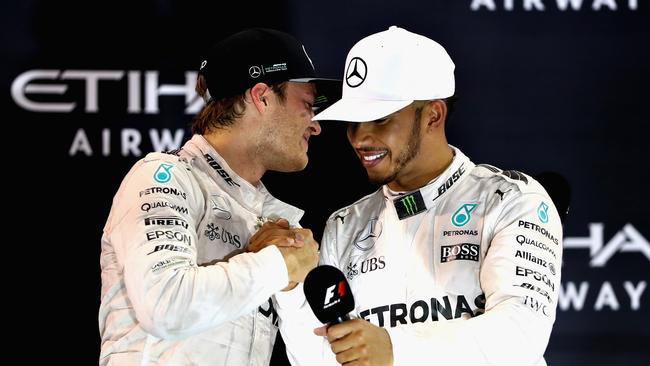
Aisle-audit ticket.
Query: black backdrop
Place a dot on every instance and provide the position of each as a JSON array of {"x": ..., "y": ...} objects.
[{"x": 90, "y": 88}]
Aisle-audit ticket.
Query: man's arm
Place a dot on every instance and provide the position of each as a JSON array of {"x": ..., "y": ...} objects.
[
  {"x": 297, "y": 322},
  {"x": 297, "y": 246},
  {"x": 153, "y": 231}
]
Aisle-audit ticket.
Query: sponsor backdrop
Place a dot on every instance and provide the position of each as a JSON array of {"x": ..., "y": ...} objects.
[{"x": 544, "y": 85}]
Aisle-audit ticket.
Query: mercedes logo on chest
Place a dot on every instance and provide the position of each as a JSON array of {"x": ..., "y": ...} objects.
[
  {"x": 356, "y": 72},
  {"x": 367, "y": 238}
]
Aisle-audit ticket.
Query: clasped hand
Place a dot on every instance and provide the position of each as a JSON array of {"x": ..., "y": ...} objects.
[{"x": 297, "y": 246}]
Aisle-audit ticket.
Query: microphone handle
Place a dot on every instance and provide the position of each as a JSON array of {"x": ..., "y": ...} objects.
[{"x": 339, "y": 319}]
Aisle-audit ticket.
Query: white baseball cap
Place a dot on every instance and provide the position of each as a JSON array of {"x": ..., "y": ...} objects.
[{"x": 387, "y": 71}]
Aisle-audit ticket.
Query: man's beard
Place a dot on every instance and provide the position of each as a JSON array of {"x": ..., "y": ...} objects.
[{"x": 411, "y": 151}]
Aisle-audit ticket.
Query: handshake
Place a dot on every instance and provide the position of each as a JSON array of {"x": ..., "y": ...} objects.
[{"x": 297, "y": 246}]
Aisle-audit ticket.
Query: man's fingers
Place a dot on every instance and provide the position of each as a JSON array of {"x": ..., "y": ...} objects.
[
  {"x": 358, "y": 342},
  {"x": 278, "y": 240},
  {"x": 270, "y": 237},
  {"x": 349, "y": 348},
  {"x": 278, "y": 232},
  {"x": 321, "y": 331},
  {"x": 290, "y": 286},
  {"x": 352, "y": 356},
  {"x": 340, "y": 330},
  {"x": 345, "y": 343},
  {"x": 304, "y": 233},
  {"x": 282, "y": 241},
  {"x": 269, "y": 225},
  {"x": 279, "y": 237}
]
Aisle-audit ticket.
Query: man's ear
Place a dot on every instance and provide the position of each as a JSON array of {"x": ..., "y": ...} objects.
[
  {"x": 435, "y": 112},
  {"x": 259, "y": 93}
]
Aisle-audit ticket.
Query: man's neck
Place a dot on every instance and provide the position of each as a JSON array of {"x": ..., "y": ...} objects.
[
  {"x": 234, "y": 147},
  {"x": 431, "y": 163}
]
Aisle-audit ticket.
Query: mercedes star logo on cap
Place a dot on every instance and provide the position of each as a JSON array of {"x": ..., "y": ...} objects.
[
  {"x": 356, "y": 72},
  {"x": 254, "y": 72}
]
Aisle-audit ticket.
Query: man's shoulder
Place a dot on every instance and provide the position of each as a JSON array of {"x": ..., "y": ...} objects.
[
  {"x": 172, "y": 156},
  {"x": 164, "y": 158},
  {"x": 185, "y": 155},
  {"x": 504, "y": 180},
  {"x": 364, "y": 204},
  {"x": 168, "y": 168}
]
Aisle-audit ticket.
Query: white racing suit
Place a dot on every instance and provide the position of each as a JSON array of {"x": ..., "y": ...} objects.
[
  {"x": 176, "y": 289},
  {"x": 464, "y": 271}
]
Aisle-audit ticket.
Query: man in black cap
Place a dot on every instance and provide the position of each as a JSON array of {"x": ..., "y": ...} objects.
[{"x": 179, "y": 286}]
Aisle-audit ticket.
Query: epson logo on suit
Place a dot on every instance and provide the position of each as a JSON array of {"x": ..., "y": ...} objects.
[
  {"x": 169, "y": 235},
  {"x": 462, "y": 251},
  {"x": 537, "y": 276}
]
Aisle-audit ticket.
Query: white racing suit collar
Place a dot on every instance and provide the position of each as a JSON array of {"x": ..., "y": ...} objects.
[
  {"x": 408, "y": 204},
  {"x": 255, "y": 199}
]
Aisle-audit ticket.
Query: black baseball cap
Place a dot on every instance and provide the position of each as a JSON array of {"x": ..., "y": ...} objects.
[{"x": 264, "y": 55}]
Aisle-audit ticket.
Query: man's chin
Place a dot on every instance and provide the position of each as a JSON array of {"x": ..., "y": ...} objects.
[
  {"x": 294, "y": 166},
  {"x": 378, "y": 180}
]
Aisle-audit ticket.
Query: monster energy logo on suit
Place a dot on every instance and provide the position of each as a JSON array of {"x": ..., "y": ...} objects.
[{"x": 409, "y": 205}]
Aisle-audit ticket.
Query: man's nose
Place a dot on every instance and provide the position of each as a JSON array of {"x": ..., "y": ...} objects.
[{"x": 358, "y": 131}]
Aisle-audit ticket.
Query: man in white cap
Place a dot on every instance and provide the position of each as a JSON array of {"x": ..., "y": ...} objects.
[{"x": 449, "y": 262}]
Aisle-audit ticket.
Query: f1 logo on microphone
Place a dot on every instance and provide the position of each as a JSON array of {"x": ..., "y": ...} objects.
[{"x": 329, "y": 294}]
